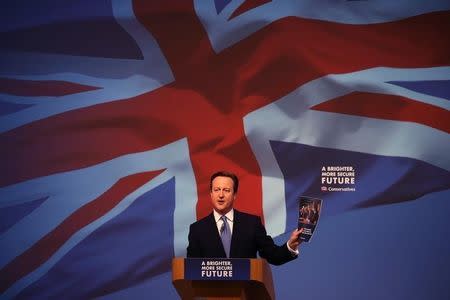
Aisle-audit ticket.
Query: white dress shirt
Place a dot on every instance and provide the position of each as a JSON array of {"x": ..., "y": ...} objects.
[{"x": 230, "y": 218}]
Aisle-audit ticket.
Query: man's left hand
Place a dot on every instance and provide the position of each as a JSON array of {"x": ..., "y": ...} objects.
[{"x": 294, "y": 240}]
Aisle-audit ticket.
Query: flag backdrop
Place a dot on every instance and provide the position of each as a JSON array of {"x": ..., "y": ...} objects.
[{"x": 113, "y": 115}]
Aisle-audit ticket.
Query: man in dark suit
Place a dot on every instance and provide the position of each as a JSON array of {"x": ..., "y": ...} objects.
[{"x": 248, "y": 235}]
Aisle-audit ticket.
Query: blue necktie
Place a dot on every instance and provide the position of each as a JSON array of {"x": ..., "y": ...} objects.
[{"x": 225, "y": 235}]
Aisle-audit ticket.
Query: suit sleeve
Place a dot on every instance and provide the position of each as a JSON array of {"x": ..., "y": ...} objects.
[
  {"x": 193, "y": 249},
  {"x": 267, "y": 248}
]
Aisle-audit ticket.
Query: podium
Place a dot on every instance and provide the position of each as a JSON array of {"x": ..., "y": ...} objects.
[{"x": 198, "y": 278}]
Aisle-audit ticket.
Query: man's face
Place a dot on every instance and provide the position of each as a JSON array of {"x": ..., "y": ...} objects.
[{"x": 222, "y": 194}]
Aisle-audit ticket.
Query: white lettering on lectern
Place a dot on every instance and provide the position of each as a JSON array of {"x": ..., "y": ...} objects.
[
  {"x": 215, "y": 273},
  {"x": 217, "y": 268}
]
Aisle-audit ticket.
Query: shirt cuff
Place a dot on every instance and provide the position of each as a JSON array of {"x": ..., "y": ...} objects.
[{"x": 293, "y": 252}]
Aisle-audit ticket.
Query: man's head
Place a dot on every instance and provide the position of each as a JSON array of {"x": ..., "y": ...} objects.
[{"x": 223, "y": 187}]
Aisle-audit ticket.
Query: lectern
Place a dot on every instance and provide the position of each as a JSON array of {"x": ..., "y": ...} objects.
[{"x": 210, "y": 278}]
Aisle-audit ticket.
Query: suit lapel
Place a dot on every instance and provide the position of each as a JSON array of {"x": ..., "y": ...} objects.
[
  {"x": 216, "y": 241},
  {"x": 235, "y": 236}
]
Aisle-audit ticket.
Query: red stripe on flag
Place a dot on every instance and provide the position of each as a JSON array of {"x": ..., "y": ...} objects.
[
  {"x": 248, "y": 5},
  {"x": 389, "y": 107},
  {"x": 49, "y": 244}
]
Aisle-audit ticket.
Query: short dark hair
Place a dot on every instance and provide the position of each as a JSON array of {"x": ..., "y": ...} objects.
[{"x": 225, "y": 174}]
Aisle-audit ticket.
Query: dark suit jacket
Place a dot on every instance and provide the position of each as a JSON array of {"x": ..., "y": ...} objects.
[{"x": 249, "y": 237}]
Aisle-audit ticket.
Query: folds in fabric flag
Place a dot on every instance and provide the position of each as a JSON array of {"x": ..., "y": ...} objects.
[{"x": 113, "y": 115}]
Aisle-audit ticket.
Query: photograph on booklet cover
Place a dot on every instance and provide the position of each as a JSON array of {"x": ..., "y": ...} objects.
[{"x": 308, "y": 216}]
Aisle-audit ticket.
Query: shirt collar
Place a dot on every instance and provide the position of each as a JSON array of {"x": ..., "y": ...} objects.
[{"x": 229, "y": 215}]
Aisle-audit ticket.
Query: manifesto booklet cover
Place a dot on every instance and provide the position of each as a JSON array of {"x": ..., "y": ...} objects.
[{"x": 308, "y": 216}]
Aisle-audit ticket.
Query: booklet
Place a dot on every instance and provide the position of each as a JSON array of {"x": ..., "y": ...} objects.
[{"x": 308, "y": 216}]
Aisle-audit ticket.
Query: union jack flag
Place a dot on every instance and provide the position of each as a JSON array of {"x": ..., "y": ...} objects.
[{"x": 113, "y": 115}]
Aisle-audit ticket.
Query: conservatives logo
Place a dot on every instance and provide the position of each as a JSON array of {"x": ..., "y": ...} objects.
[{"x": 338, "y": 179}]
